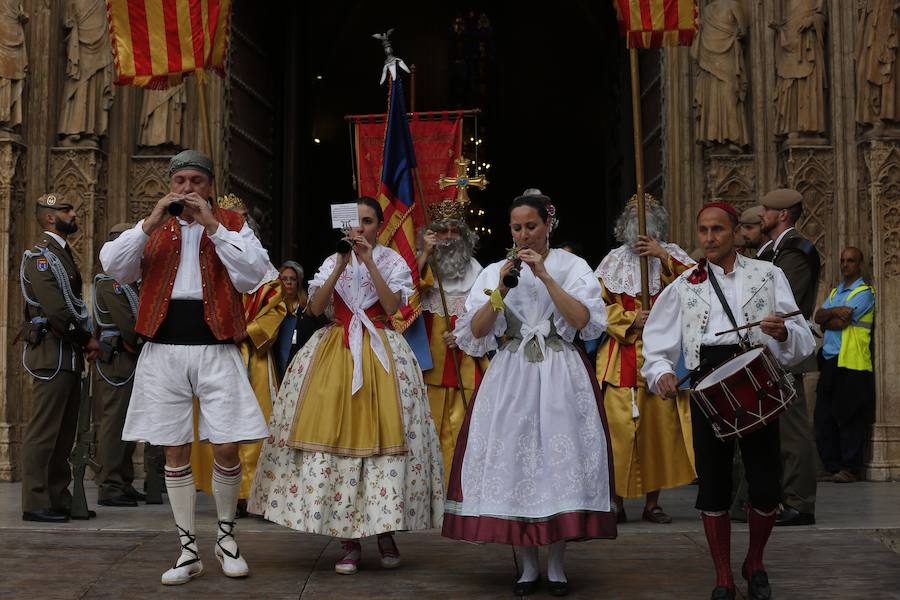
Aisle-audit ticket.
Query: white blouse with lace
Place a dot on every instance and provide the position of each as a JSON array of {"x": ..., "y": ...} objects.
[{"x": 358, "y": 292}]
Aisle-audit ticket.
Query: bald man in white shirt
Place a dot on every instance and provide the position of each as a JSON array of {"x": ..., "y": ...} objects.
[{"x": 684, "y": 320}]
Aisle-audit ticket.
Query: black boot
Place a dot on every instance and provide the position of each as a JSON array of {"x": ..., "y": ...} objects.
[
  {"x": 758, "y": 587},
  {"x": 722, "y": 593}
]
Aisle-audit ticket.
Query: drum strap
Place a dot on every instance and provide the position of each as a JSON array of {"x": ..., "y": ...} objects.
[{"x": 715, "y": 284}]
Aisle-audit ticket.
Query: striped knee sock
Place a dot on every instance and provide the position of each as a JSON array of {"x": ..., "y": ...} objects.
[
  {"x": 226, "y": 482},
  {"x": 182, "y": 496}
]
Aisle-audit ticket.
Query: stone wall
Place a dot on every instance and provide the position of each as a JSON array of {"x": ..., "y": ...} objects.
[
  {"x": 847, "y": 166},
  {"x": 105, "y": 148},
  {"x": 100, "y": 146}
]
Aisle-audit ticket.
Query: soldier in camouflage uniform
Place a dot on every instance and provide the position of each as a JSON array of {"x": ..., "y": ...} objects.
[
  {"x": 57, "y": 340},
  {"x": 115, "y": 311}
]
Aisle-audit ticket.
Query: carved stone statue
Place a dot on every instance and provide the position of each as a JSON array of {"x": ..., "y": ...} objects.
[
  {"x": 88, "y": 89},
  {"x": 13, "y": 63},
  {"x": 800, "y": 70},
  {"x": 877, "y": 77},
  {"x": 722, "y": 76},
  {"x": 161, "y": 117}
]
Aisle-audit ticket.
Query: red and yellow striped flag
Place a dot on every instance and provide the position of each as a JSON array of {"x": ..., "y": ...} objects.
[
  {"x": 157, "y": 42},
  {"x": 657, "y": 23}
]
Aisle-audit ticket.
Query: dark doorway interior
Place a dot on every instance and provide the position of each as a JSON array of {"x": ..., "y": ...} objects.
[{"x": 552, "y": 83}]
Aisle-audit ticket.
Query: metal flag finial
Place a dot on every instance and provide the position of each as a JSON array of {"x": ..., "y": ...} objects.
[{"x": 391, "y": 62}]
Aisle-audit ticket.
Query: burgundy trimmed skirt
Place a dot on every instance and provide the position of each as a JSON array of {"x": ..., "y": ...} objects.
[{"x": 571, "y": 526}]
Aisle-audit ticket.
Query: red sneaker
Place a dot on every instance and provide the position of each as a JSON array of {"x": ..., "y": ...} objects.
[
  {"x": 390, "y": 555},
  {"x": 349, "y": 563}
]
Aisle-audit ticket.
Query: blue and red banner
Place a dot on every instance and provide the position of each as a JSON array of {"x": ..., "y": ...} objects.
[
  {"x": 403, "y": 215},
  {"x": 437, "y": 143}
]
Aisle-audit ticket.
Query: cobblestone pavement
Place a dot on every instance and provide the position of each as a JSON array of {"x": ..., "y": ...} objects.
[{"x": 121, "y": 554}]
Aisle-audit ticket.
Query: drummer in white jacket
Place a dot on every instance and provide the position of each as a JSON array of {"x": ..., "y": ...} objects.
[{"x": 685, "y": 320}]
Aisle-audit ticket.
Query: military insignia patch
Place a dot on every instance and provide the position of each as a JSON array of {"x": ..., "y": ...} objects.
[
  {"x": 117, "y": 288},
  {"x": 42, "y": 264}
]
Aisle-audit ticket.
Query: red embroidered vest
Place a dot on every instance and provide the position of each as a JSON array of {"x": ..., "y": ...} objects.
[{"x": 223, "y": 307}]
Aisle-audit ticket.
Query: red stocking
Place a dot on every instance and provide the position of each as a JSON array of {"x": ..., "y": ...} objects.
[
  {"x": 718, "y": 536},
  {"x": 760, "y": 528}
]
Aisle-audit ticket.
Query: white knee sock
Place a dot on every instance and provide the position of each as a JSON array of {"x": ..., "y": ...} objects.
[
  {"x": 556, "y": 570},
  {"x": 528, "y": 561},
  {"x": 182, "y": 496},
  {"x": 226, "y": 484}
]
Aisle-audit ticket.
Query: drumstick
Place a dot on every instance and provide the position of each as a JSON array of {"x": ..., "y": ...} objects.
[{"x": 754, "y": 324}]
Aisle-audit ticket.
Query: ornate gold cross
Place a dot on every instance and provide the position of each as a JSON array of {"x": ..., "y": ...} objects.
[{"x": 462, "y": 180}]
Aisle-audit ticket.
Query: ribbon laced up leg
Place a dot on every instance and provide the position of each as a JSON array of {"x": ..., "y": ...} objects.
[{"x": 228, "y": 553}]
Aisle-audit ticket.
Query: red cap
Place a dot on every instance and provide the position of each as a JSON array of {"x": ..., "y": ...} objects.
[{"x": 722, "y": 205}]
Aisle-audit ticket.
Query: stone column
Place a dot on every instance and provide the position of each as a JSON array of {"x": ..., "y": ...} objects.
[
  {"x": 731, "y": 177},
  {"x": 78, "y": 174},
  {"x": 11, "y": 228},
  {"x": 149, "y": 181},
  {"x": 882, "y": 158},
  {"x": 810, "y": 171}
]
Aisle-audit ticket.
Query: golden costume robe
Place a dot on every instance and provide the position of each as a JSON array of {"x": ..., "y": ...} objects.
[
  {"x": 263, "y": 310},
  {"x": 447, "y": 407},
  {"x": 651, "y": 436}
]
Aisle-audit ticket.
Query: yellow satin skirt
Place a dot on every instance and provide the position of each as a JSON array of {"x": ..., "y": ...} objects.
[
  {"x": 330, "y": 418},
  {"x": 653, "y": 451}
]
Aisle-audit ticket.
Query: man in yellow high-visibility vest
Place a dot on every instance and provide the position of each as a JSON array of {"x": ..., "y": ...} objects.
[{"x": 846, "y": 389}]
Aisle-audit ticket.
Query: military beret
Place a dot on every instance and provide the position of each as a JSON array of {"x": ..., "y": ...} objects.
[
  {"x": 120, "y": 228},
  {"x": 54, "y": 201},
  {"x": 752, "y": 216},
  {"x": 781, "y": 198},
  {"x": 191, "y": 159}
]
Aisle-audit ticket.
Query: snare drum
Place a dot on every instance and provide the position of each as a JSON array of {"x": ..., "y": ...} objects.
[{"x": 744, "y": 393}]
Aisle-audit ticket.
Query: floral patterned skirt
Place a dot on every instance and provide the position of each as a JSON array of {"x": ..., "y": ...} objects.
[{"x": 350, "y": 497}]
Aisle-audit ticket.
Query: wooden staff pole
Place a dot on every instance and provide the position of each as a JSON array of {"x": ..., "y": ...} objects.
[
  {"x": 432, "y": 262},
  {"x": 639, "y": 170},
  {"x": 412, "y": 89},
  {"x": 204, "y": 120}
]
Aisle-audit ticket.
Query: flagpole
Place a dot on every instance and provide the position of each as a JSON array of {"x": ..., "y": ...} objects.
[
  {"x": 639, "y": 170},
  {"x": 412, "y": 89},
  {"x": 204, "y": 118},
  {"x": 432, "y": 262}
]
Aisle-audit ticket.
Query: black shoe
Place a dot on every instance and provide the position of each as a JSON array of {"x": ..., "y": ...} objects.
[
  {"x": 44, "y": 516},
  {"x": 526, "y": 588},
  {"x": 132, "y": 493},
  {"x": 67, "y": 512},
  {"x": 558, "y": 588},
  {"x": 241, "y": 511},
  {"x": 122, "y": 500},
  {"x": 790, "y": 516},
  {"x": 722, "y": 593},
  {"x": 758, "y": 586},
  {"x": 621, "y": 517}
]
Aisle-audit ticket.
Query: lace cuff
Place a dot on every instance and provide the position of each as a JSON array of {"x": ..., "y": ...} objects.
[{"x": 475, "y": 346}]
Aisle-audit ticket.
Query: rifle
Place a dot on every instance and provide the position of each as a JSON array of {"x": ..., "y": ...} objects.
[
  {"x": 153, "y": 478},
  {"x": 85, "y": 448}
]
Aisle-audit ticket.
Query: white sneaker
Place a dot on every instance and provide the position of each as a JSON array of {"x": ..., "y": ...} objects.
[
  {"x": 182, "y": 573},
  {"x": 233, "y": 564},
  {"x": 188, "y": 564}
]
